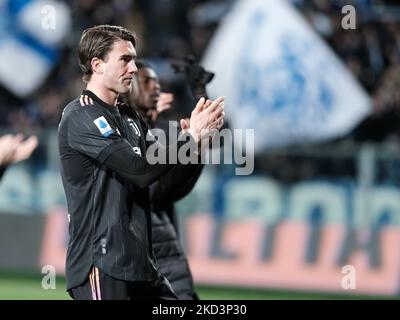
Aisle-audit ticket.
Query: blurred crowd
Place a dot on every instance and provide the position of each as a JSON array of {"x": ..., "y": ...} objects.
[
  {"x": 371, "y": 52},
  {"x": 168, "y": 30}
]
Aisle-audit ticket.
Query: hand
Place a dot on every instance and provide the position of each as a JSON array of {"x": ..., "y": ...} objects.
[
  {"x": 220, "y": 123},
  {"x": 24, "y": 149},
  {"x": 8, "y": 145},
  {"x": 164, "y": 102},
  {"x": 206, "y": 117},
  {"x": 153, "y": 115},
  {"x": 185, "y": 123},
  {"x": 13, "y": 149}
]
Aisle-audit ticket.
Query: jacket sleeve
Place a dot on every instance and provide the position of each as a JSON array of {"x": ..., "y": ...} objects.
[
  {"x": 95, "y": 135},
  {"x": 176, "y": 184}
]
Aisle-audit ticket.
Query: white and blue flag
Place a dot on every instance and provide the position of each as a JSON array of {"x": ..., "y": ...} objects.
[
  {"x": 31, "y": 33},
  {"x": 280, "y": 78}
]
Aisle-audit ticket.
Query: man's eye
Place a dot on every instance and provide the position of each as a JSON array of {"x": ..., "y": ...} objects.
[{"x": 148, "y": 80}]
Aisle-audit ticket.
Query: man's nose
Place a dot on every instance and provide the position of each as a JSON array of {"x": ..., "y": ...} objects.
[{"x": 132, "y": 67}]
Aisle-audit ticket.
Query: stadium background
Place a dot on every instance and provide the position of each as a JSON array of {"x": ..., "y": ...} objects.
[{"x": 287, "y": 230}]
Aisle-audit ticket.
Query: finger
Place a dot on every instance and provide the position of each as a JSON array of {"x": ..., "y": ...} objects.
[
  {"x": 154, "y": 115},
  {"x": 217, "y": 107},
  {"x": 184, "y": 124},
  {"x": 25, "y": 149},
  {"x": 216, "y": 103},
  {"x": 167, "y": 97},
  {"x": 29, "y": 144},
  {"x": 162, "y": 102},
  {"x": 7, "y": 139},
  {"x": 207, "y": 104},
  {"x": 33, "y": 142},
  {"x": 215, "y": 124},
  {"x": 163, "y": 107},
  {"x": 16, "y": 141},
  {"x": 19, "y": 137},
  {"x": 221, "y": 117},
  {"x": 219, "y": 120},
  {"x": 199, "y": 105},
  {"x": 221, "y": 123},
  {"x": 187, "y": 123},
  {"x": 217, "y": 112}
]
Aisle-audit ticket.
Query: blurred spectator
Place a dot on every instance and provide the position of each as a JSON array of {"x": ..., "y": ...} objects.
[
  {"x": 14, "y": 149},
  {"x": 168, "y": 30},
  {"x": 170, "y": 257}
]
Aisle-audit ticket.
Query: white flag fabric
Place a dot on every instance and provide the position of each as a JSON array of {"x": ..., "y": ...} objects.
[
  {"x": 280, "y": 78},
  {"x": 31, "y": 33}
]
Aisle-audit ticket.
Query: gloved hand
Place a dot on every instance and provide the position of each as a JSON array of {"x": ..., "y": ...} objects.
[{"x": 196, "y": 76}]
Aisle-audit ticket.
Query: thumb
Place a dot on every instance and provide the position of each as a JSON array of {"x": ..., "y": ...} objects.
[{"x": 184, "y": 124}]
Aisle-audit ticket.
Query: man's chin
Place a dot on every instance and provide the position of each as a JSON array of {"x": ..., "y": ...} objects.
[
  {"x": 152, "y": 105},
  {"x": 125, "y": 89}
]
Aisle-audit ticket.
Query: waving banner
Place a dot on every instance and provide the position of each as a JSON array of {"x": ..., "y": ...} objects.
[
  {"x": 31, "y": 33},
  {"x": 280, "y": 78}
]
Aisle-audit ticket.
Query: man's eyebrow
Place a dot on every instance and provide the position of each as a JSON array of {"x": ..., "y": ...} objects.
[
  {"x": 148, "y": 78},
  {"x": 130, "y": 56}
]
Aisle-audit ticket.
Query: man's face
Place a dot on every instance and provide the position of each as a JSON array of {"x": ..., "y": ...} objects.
[
  {"x": 146, "y": 89},
  {"x": 119, "y": 67}
]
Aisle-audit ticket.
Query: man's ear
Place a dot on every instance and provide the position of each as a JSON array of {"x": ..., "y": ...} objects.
[{"x": 97, "y": 65}]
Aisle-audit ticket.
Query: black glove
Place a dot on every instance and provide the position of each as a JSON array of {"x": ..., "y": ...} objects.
[{"x": 196, "y": 76}]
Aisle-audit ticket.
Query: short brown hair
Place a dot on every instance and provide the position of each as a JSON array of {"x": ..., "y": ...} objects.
[{"x": 97, "y": 42}]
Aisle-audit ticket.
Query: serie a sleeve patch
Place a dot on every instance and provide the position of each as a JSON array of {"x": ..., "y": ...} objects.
[{"x": 103, "y": 126}]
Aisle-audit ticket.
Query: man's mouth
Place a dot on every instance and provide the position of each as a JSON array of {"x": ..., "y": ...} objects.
[{"x": 155, "y": 96}]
